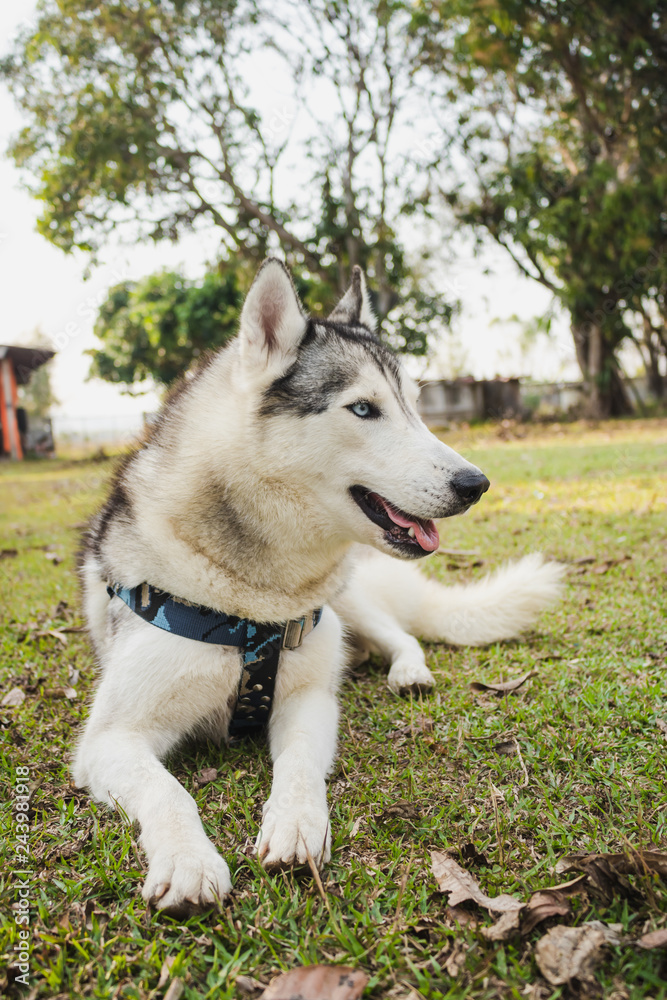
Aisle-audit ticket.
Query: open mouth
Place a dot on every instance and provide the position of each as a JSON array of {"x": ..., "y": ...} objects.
[{"x": 414, "y": 534}]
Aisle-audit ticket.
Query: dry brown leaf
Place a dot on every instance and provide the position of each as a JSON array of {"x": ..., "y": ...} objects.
[
  {"x": 456, "y": 958},
  {"x": 503, "y": 687},
  {"x": 570, "y": 888},
  {"x": 506, "y": 748},
  {"x": 541, "y": 906},
  {"x": 61, "y": 692},
  {"x": 605, "y": 882},
  {"x": 662, "y": 726},
  {"x": 656, "y": 939},
  {"x": 459, "y": 915},
  {"x": 504, "y": 928},
  {"x": 176, "y": 990},
  {"x": 165, "y": 971},
  {"x": 248, "y": 984},
  {"x": 317, "y": 982},
  {"x": 401, "y": 810},
  {"x": 632, "y": 863},
  {"x": 566, "y": 953},
  {"x": 461, "y": 886},
  {"x": 205, "y": 776},
  {"x": 473, "y": 857},
  {"x": 8, "y": 553},
  {"x": 13, "y": 698}
]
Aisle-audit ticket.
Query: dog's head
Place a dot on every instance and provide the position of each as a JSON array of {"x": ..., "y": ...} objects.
[{"x": 338, "y": 415}]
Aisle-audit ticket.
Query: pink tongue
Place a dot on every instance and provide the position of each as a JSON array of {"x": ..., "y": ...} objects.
[{"x": 426, "y": 532}]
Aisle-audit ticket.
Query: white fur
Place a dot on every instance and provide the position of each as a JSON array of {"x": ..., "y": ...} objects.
[
  {"x": 387, "y": 603},
  {"x": 253, "y": 516}
]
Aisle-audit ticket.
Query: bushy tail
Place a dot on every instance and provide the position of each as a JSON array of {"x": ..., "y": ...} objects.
[{"x": 500, "y": 606}]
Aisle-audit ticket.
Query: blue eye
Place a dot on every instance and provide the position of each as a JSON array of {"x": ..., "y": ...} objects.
[{"x": 364, "y": 410}]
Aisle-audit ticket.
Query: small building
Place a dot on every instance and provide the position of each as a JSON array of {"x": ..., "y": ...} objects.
[
  {"x": 466, "y": 398},
  {"x": 16, "y": 367}
]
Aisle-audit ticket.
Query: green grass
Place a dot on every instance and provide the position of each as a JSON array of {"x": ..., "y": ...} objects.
[{"x": 587, "y": 727}]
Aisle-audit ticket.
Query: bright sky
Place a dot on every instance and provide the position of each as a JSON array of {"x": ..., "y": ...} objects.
[{"x": 44, "y": 288}]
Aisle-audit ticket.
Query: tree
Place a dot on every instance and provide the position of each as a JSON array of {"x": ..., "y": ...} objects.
[
  {"x": 561, "y": 130},
  {"x": 152, "y": 329},
  {"x": 37, "y": 396},
  {"x": 140, "y": 120}
]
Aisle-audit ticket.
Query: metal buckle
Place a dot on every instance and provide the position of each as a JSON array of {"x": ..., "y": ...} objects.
[{"x": 294, "y": 632}]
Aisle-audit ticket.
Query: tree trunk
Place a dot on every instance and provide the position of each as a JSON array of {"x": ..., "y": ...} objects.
[
  {"x": 606, "y": 395},
  {"x": 656, "y": 382}
]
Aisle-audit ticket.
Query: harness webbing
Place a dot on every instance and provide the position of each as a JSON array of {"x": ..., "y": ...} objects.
[{"x": 261, "y": 644}]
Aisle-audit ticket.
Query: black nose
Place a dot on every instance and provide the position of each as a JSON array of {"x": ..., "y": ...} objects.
[{"x": 469, "y": 485}]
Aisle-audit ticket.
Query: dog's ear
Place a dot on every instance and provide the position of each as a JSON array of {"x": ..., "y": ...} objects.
[
  {"x": 355, "y": 306},
  {"x": 272, "y": 320}
]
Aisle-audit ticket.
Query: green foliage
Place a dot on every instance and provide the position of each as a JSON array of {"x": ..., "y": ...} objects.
[
  {"x": 139, "y": 120},
  {"x": 37, "y": 397},
  {"x": 563, "y": 124},
  {"x": 151, "y": 330},
  {"x": 154, "y": 328}
]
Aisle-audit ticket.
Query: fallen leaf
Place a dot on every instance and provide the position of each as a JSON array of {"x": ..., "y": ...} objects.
[
  {"x": 575, "y": 885},
  {"x": 317, "y": 982},
  {"x": 503, "y": 928},
  {"x": 505, "y": 748},
  {"x": 541, "y": 906},
  {"x": 632, "y": 863},
  {"x": 206, "y": 775},
  {"x": 248, "y": 984},
  {"x": 607, "y": 564},
  {"x": 356, "y": 827},
  {"x": 656, "y": 939},
  {"x": 456, "y": 958},
  {"x": 503, "y": 687},
  {"x": 401, "y": 810},
  {"x": 473, "y": 857},
  {"x": 165, "y": 971},
  {"x": 459, "y": 915},
  {"x": 13, "y": 698},
  {"x": 662, "y": 726},
  {"x": 176, "y": 990},
  {"x": 61, "y": 692},
  {"x": 461, "y": 886},
  {"x": 8, "y": 553},
  {"x": 566, "y": 953}
]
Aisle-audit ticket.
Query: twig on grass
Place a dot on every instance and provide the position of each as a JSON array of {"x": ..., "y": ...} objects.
[
  {"x": 497, "y": 818},
  {"x": 316, "y": 875},
  {"x": 401, "y": 890},
  {"x": 524, "y": 784}
]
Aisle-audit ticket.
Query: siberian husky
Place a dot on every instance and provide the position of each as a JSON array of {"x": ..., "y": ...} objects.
[{"x": 281, "y": 478}]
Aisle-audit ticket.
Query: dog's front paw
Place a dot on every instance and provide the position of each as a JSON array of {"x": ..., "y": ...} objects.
[
  {"x": 409, "y": 677},
  {"x": 288, "y": 836},
  {"x": 187, "y": 880}
]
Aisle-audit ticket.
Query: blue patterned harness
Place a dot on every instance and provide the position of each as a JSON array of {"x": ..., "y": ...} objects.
[{"x": 261, "y": 644}]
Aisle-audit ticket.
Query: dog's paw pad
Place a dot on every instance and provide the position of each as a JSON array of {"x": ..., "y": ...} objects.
[{"x": 181, "y": 883}]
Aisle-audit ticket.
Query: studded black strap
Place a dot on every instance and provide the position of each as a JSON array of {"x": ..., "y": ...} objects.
[{"x": 261, "y": 644}]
